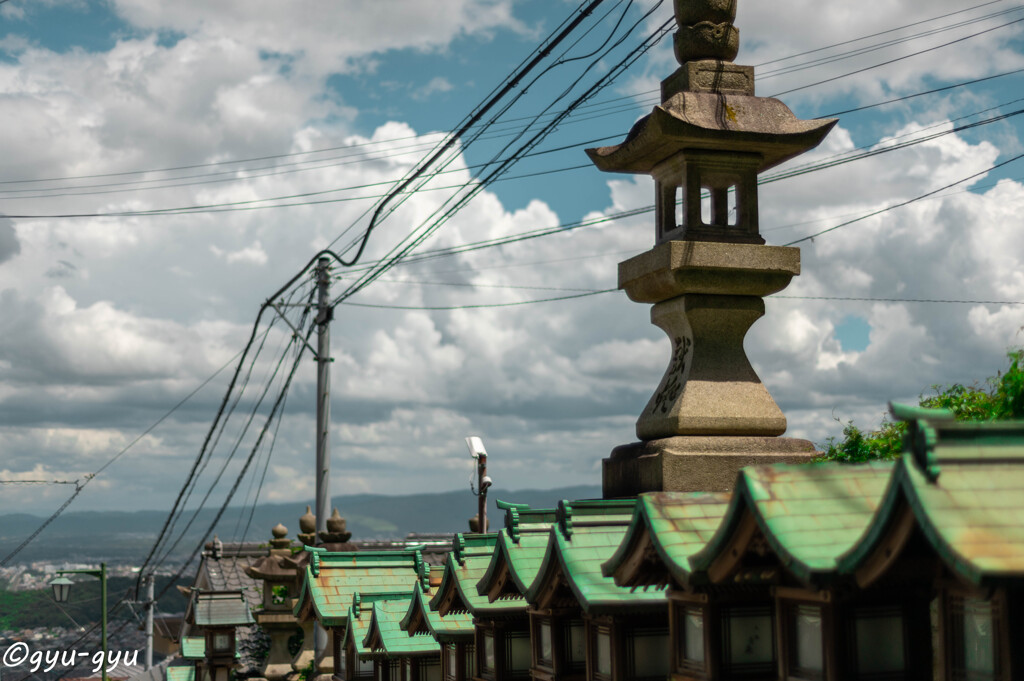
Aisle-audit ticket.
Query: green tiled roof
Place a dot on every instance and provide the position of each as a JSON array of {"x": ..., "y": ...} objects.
[
  {"x": 385, "y": 623},
  {"x": 454, "y": 624},
  {"x": 579, "y": 555},
  {"x": 522, "y": 518},
  {"x": 810, "y": 514},
  {"x": 221, "y": 609},
  {"x": 359, "y": 614},
  {"x": 193, "y": 647},
  {"x": 463, "y": 577},
  {"x": 356, "y": 627},
  {"x": 523, "y": 551},
  {"x": 964, "y": 483},
  {"x": 523, "y": 559},
  {"x": 331, "y": 579},
  {"x": 186, "y": 672},
  {"x": 678, "y": 523}
]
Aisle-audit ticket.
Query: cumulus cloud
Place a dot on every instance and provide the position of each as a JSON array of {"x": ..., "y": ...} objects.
[
  {"x": 107, "y": 322},
  {"x": 9, "y": 244}
]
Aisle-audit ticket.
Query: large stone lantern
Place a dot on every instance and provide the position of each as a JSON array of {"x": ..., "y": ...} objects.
[{"x": 709, "y": 270}]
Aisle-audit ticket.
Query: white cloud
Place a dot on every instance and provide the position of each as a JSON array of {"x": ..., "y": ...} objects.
[
  {"x": 251, "y": 255},
  {"x": 326, "y": 37},
  {"x": 148, "y": 307}
]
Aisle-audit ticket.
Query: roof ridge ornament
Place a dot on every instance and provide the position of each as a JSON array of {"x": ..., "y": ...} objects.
[
  {"x": 922, "y": 435},
  {"x": 459, "y": 548},
  {"x": 314, "y": 558},
  {"x": 513, "y": 524},
  {"x": 565, "y": 518}
]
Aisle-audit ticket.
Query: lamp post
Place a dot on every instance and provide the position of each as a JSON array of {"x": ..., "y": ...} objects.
[
  {"x": 477, "y": 451},
  {"x": 62, "y": 589}
]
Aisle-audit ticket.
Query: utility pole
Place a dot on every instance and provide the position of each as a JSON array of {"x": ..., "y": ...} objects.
[
  {"x": 150, "y": 607},
  {"x": 323, "y": 413}
]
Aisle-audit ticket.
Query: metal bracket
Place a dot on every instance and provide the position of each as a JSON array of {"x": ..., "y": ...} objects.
[{"x": 297, "y": 333}]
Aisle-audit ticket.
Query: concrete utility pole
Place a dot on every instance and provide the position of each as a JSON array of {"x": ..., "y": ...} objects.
[
  {"x": 323, "y": 413},
  {"x": 323, "y": 393},
  {"x": 150, "y": 606}
]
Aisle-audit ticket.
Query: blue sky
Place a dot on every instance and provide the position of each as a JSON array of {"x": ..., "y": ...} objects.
[{"x": 109, "y": 321}]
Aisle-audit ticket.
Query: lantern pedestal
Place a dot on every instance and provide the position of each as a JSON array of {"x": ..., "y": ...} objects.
[
  {"x": 710, "y": 415},
  {"x": 693, "y": 463}
]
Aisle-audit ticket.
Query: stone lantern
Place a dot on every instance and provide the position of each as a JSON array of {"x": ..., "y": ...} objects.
[
  {"x": 280, "y": 586},
  {"x": 709, "y": 270}
]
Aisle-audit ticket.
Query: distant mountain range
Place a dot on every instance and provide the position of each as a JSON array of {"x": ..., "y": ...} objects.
[{"x": 118, "y": 536}]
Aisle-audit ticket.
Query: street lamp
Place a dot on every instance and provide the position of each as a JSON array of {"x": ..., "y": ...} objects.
[{"x": 62, "y": 589}]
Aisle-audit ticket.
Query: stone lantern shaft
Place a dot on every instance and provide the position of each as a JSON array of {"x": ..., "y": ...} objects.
[{"x": 709, "y": 270}]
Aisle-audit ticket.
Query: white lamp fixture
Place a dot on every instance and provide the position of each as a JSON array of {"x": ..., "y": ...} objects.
[{"x": 61, "y": 589}]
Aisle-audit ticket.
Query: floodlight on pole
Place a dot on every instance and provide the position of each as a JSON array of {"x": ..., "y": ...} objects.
[{"x": 478, "y": 452}]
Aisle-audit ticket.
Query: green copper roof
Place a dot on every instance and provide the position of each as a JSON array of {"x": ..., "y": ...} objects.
[
  {"x": 356, "y": 626},
  {"x": 523, "y": 559},
  {"x": 331, "y": 579},
  {"x": 810, "y": 514},
  {"x": 964, "y": 484},
  {"x": 463, "y": 577},
  {"x": 181, "y": 673},
  {"x": 578, "y": 550},
  {"x": 193, "y": 647},
  {"x": 678, "y": 523},
  {"x": 221, "y": 609},
  {"x": 523, "y": 551},
  {"x": 385, "y": 629},
  {"x": 521, "y": 518},
  {"x": 358, "y": 616},
  {"x": 452, "y": 625}
]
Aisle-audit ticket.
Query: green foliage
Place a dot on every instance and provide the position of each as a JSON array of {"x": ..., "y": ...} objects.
[
  {"x": 306, "y": 672},
  {"x": 1003, "y": 398},
  {"x": 295, "y": 642}
]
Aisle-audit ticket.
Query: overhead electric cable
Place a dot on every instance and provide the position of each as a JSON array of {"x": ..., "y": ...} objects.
[
  {"x": 850, "y": 54},
  {"x": 904, "y": 300},
  {"x": 472, "y": 307},
  {"x": 453, "y": 205},
  {"x": 89, "y": 478},
  {"x": 880, "y": 33},
  {"x": 266, "y": 425},
  {"x": 907, "y": 202},
  {"x": 896, "y": 59}
]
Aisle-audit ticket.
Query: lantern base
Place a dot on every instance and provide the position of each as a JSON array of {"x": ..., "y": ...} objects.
[{"x": 694, "y": 464}]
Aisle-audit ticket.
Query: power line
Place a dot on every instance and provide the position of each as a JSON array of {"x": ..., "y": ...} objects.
[
  {"x": 472, "y": 307},
  {"x": 454, "y": 204},
  {"x": 880, "y": 33},
  {"x": 89, "y": 478},
  {"x": 905, "y": 203},
  {"x": 906, "y": 300},
  {"x": 896, "y": 59}
]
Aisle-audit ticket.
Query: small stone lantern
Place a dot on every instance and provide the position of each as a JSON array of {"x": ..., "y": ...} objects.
[{"x": 280, "y": 582}]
